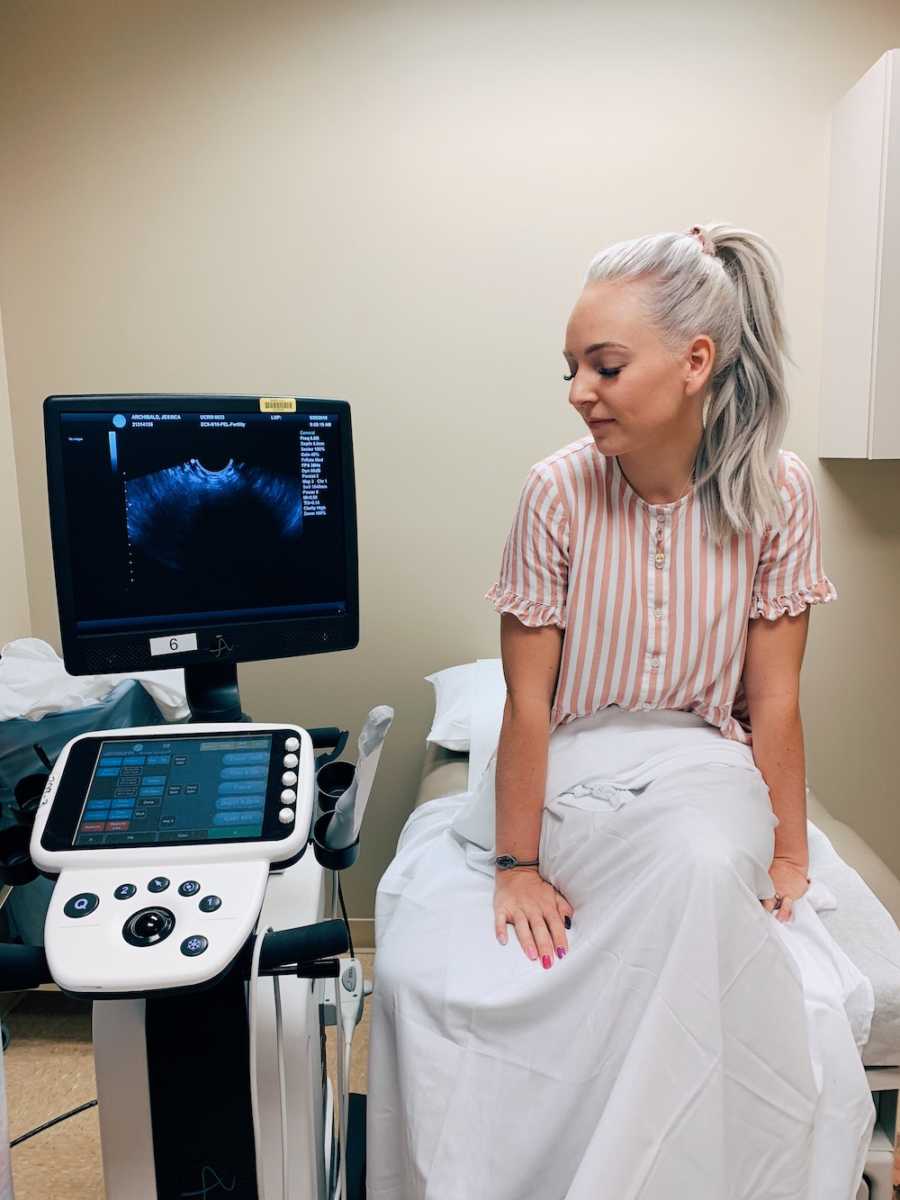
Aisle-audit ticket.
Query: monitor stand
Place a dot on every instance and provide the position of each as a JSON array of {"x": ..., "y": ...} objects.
[{"x": 212, "y": 692}]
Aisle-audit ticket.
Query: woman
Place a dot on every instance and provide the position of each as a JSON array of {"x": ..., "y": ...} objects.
[{"x": 676, "y": 1022}]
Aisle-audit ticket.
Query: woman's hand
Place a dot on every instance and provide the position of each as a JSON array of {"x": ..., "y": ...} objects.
[
  {"x": 539, "y": 913},
  {"x": 791, "y": 881}
]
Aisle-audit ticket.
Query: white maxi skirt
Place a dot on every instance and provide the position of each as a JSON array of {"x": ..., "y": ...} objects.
[{"x": 690, "y": 1046}]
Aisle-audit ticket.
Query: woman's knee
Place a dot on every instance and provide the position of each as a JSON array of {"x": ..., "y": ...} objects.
[
  {"x": 699, "y": 845},
  {"x": 727, "y": 801}
]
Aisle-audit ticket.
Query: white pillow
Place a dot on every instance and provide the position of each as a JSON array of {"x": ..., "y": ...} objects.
[
  {"x": 472, "y": 692},
  {"x": 452, "y": 724}
]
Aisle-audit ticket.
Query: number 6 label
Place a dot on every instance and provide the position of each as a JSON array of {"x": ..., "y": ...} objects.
[{"x": 176, "y": 643}]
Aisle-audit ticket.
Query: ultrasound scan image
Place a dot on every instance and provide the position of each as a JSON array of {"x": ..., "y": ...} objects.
[{"x": 212, "y": 524}]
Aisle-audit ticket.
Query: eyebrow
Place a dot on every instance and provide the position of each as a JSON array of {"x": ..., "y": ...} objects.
[{"x": 602, "y": 346}]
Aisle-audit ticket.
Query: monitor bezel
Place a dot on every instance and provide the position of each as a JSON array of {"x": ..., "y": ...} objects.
[{"x": 225, "y": 641}]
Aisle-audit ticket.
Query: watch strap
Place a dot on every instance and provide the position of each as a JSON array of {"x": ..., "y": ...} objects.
[{"x": 506, "y": 862}]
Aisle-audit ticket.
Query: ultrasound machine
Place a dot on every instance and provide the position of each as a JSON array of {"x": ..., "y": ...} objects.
[{"x": 196, "y": 895}]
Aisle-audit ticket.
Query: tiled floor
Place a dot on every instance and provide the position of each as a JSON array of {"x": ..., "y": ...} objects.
[{"x": 50, "y": 1068}]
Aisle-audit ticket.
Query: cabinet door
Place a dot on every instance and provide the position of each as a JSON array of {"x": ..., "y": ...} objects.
[
  {"x": 852, "y": 267},
  {"x": 885, "y": 435}
]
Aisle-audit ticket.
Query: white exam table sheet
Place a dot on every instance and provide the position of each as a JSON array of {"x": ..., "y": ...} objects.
[{"x": 745, "y": 1112}]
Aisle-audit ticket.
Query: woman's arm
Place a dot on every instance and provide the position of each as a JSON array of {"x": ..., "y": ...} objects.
[
  {"x": 531, "y": 659},
  {"x": 771, "y": 679},
  {"x": 779, "y": 754}
]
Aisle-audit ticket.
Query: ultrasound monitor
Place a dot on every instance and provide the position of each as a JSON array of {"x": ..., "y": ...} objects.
[{"x": 199, "y": 532}]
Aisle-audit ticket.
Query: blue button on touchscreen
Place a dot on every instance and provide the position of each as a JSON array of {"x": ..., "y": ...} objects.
[{"x": 176, "y": 790}]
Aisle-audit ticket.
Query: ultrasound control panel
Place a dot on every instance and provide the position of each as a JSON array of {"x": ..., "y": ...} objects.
[
  {"x": 181, "y": 789},
  {"x": 163, "y": 843}
]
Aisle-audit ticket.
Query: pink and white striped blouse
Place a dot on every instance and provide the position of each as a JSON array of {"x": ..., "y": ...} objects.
[{"x": 655, "y": 615}]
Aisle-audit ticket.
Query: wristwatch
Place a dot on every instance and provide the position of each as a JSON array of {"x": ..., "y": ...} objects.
[{"x": 506, "y": 861}]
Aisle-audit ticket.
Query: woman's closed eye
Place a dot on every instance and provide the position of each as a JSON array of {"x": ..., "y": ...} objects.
[{"x": 607, "y": 372}]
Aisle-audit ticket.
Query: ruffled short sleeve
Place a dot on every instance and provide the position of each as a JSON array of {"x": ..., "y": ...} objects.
[
  {"x": 534, "y": 568},
  {"x": 789, "y": 575}
]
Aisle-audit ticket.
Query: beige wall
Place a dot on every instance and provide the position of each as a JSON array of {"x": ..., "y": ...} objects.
[
  {"x": 394, "y": 203},
  {"x": 14, "y": 619}
]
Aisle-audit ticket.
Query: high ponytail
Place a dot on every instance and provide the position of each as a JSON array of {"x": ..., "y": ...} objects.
[{"x": 733, "y": 296}]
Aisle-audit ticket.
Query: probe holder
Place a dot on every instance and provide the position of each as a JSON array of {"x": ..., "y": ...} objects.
[{"x": 332, "y": 780}]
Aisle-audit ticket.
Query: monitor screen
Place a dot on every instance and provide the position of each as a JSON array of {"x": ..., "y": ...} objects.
[
  {"x": 187, "y": 515},
  {"x": 176, "y": 790}
]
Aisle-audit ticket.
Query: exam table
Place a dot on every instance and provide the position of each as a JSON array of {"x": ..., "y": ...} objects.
[{"x": 865, "y": 925}]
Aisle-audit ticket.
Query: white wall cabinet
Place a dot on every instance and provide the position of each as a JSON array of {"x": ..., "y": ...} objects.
[{"x": 860, "y": 388}]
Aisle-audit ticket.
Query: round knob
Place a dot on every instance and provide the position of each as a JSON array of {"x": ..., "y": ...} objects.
[
  {"x": 291, "y": 760},
  {"x": 148, "y": 926},
  {"x": 292, "y": 743},
  {"x": 288, "y": 796},
  {"x": 286, "y": 816},
  {"x": 289, "y": 779}
]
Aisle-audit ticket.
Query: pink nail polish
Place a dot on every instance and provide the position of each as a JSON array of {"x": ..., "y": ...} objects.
[
  {"x": 545, "y": 959},
  {"x": 560, "y": 953},
  {"x": 532, "y": 954}
]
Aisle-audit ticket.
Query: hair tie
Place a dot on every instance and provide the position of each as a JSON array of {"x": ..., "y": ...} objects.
[{"x": 704, "y": 239}]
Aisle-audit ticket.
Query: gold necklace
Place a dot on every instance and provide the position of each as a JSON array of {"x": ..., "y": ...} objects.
[{"x": 680, "y": 496}]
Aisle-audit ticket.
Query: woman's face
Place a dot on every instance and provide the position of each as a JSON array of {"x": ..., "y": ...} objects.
[{"x": 624, "y": 377}]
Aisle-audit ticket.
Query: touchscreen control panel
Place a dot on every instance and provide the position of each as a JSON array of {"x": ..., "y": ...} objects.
[
  {"x": 176, "y": 790},
  {"x": 163, "y": 843},
  {"x": 138, "y": 789}
]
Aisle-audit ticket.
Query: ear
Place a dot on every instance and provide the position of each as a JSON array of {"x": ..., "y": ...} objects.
[{"x": 701, "y": 357}]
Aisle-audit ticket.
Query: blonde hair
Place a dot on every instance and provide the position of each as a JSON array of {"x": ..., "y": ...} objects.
[{"x": 732, "y": 296}]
